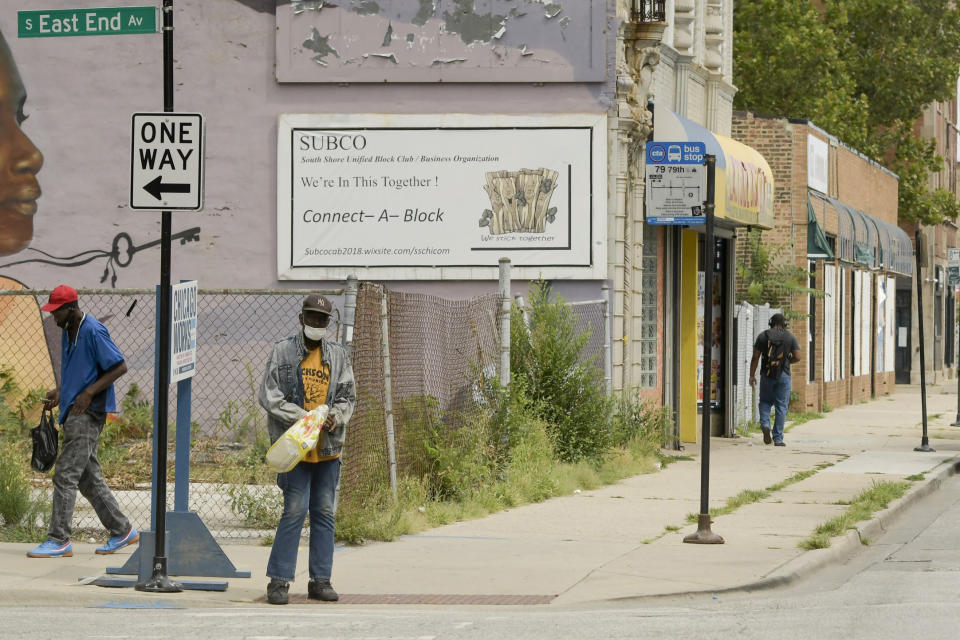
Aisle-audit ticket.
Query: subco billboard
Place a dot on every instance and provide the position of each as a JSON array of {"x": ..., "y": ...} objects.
[{"x": 426, "y": 196}]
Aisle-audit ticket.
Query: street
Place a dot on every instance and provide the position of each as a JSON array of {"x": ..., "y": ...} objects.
[{"x": 905, "y": 584}]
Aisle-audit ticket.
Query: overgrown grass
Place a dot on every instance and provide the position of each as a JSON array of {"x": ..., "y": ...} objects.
[{"x": 861, "y": 508}]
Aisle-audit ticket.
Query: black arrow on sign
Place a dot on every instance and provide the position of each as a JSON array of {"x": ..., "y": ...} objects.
[{"x": 156, "y": 187}]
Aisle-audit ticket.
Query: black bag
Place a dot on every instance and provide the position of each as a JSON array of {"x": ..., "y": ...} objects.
[
  {"x": 45, "y": 443},
  {"x": 778, "y": 348}
]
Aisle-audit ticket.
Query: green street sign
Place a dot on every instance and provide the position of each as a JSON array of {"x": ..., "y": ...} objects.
[{"x": 106, "y": 21}]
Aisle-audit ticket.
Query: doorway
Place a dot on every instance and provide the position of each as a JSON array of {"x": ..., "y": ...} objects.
[{"x": 903, "y": 338}]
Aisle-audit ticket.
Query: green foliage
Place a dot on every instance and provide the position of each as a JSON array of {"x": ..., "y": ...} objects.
[
  {"x": 642, "y": 422},
  {"x": 861, "y": 508},
  {"x": 565, "y": 393},
  {"x": 24, "y": 516},
  {"x": 243, "y": 420},
  {"x": 18, "y": 408},
  {"x": 771, "y": 278},
  {"x": 460, "y": 459},
  {"x": 877, "y": 64},
  {"x": 135, "y": 421},
  {"x": 258, "y": 506}
]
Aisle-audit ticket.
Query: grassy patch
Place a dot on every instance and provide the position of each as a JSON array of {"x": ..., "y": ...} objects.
[
  {"x": 861, "y": 508},
  {"x": 796, "y": 419},
  {"x": 749, "y": 496},
  {"x": 916, "y": 477}
]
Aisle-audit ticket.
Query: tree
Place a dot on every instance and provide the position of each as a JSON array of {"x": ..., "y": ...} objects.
[
  {"x": 863, "y": 70},
  {"x": 769, "y": 279}
]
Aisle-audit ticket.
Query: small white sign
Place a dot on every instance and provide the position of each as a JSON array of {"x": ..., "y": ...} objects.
[
  {"x": 166, "y": 161},
  {"x": 953, "y": 257},
  {"x": 818, "y": 156},
  {"x": 183, "y": 331},
  {"x": 901, "y": 336}
]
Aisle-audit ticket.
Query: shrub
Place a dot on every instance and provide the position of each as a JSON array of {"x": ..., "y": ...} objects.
[
  {"x": 565, "y": 393},
  {"x": 14, "y": 488},
  {"x": 639, "y": 422}
]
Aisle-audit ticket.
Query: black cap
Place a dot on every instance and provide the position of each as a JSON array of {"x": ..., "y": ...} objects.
[
  {"x": 317, "y": 302},
  {"x": 778, "y": 320}
]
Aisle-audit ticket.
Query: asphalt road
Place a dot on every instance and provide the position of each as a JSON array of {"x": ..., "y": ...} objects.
[{"x": 905, "y": 584}]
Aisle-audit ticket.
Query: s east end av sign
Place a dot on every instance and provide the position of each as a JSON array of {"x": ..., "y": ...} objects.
[{"x": 431, "y": 197}]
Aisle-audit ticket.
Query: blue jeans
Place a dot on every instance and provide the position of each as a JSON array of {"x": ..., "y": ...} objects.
[
  {"x": 775, "y": 393},
  {"x": 309, "y": 486}
]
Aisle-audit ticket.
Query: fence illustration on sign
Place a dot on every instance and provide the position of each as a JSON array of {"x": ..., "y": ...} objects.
[{"x": 520, "y": 201}]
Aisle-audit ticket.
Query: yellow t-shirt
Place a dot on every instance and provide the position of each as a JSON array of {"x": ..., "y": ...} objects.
[{"x": 316, "y": 384}]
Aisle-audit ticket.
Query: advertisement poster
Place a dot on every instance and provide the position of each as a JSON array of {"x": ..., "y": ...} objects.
[{"x": 389, "y": 196}]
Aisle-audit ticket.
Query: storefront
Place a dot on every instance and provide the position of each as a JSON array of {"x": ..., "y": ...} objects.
[{"x": 744, "y": 198}]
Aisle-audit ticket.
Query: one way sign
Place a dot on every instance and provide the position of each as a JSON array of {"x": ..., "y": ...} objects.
[{"x": 166, "y": 161}]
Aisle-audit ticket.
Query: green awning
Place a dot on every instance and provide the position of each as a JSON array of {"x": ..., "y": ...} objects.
[{"x": 817, "y": 246}]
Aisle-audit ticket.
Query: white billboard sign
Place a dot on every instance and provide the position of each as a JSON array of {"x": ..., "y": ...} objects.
[
  {"x": 183, "y": 330},
  {"x": 424, "y": 197}
]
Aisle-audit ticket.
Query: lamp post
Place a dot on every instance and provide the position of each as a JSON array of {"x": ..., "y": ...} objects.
[{"x": 924, "y": 441}]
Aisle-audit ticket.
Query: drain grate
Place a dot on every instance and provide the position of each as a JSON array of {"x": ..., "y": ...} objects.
[{"x": 424, "y": 598}]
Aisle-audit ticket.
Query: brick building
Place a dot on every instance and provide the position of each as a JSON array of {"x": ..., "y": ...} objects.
[{"x": 835, "y": 215}]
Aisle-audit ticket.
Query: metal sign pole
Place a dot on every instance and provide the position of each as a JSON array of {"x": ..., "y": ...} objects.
[
  {"x": 704, "y": 535},
  {"x": 160, "y": 582},
  {"x": 924, "y": 441}
]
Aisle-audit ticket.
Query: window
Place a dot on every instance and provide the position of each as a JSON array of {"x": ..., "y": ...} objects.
[{"x": 649, "y": 313}]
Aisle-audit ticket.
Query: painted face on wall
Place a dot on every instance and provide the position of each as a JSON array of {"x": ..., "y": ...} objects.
[{"x": 20, "y": 161}]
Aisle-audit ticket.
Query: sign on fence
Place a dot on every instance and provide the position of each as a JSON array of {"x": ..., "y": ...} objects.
[{"x": 183, "y": 327}]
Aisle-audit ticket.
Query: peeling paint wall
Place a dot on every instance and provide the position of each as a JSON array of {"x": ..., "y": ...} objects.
[{"x": 442, "y": 41}]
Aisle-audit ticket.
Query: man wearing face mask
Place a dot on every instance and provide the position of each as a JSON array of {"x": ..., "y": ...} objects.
[
  {"x": 305, "y": 371},
  {"x": 89, "y": 365}
]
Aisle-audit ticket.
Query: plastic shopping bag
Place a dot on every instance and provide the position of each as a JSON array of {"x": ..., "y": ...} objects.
[
  {"x": 45, "y": 442},
  {"x": 297, "y": 441}
]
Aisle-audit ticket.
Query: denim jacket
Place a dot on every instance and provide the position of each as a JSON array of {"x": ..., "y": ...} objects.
[{"x": 281, "y": 391}]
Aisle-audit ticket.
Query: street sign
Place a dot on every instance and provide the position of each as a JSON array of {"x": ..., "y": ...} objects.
[
  {"x": 183, "y": 327},
  {"x": 166, "y": 161},
  {"x": 953, "y": 267},
  {"x": 676, "y": 183},
  {"x": 104, "y": 21}
]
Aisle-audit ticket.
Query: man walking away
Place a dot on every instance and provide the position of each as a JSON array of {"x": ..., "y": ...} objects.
[
  {"x": 89, "y": 365},
  {"x": 777, "y": 348},
  {"x": 305, "y": 371}
]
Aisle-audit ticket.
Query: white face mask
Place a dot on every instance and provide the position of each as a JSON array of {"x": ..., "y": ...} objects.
[{"x": 314, "y": 333}]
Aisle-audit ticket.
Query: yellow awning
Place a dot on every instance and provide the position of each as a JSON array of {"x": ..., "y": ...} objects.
[{"x": 744, "y": 180}]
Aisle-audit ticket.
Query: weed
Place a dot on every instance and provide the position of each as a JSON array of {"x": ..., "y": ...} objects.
[
  {"x": 916, "y": 477},
  {"x": 260, "y": 507},
  {"x": 861, "y": 508},
  {"x": 804, "y": 416}
]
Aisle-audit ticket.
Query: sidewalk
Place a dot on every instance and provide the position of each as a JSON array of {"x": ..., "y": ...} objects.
[{"x": 600, "y": 545}]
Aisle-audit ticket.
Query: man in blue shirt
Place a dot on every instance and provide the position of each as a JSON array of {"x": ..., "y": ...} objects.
[{"x": 90, "y": 363}]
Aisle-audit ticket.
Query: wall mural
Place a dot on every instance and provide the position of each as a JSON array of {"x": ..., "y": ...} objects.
[{"x": 20, "y": 162}]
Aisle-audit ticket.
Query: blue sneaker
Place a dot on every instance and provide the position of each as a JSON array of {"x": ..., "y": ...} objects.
[
  {"x": 51, "y": 549},
  {"x": 119, "y": 542}
]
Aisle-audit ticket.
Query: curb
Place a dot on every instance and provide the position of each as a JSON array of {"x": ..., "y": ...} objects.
[{"x": 840, "y": 548}]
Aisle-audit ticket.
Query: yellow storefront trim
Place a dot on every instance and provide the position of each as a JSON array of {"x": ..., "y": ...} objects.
[{"x": 689, "y": 342}]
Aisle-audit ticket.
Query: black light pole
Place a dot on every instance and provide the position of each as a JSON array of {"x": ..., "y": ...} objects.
[
  {"x": 956, "y": 362},
  {"x": 159, "y": 581},
  {"x": 704, "y": 535},
  {"x": 924, "y": 441}
]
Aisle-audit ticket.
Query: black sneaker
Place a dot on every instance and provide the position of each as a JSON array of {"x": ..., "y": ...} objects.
[
  {"x": 321, "y": 589},
  {"x": 766, "y": 435},
  {"x": 779, "y": 444},
  {"x": 278, "y": 591}
]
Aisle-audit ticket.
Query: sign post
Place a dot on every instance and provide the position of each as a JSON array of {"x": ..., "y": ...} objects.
[
  {"x": 704, "y": 535},
  {"x": 924, "y": 439},
  {"x": 160, "y": 582}
]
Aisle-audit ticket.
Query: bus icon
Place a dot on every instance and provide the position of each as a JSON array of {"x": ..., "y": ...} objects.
[{"x": 673, "y": 153}]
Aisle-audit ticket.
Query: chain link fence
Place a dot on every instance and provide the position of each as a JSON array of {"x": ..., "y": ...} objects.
[{"x": 419, "y": 362}]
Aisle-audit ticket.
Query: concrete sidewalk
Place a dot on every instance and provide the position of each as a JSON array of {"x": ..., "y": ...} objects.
[{"x": 619, "y": 542}]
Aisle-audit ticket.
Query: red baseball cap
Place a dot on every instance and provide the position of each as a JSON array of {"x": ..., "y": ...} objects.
[{"x": 59, "y": 297}]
